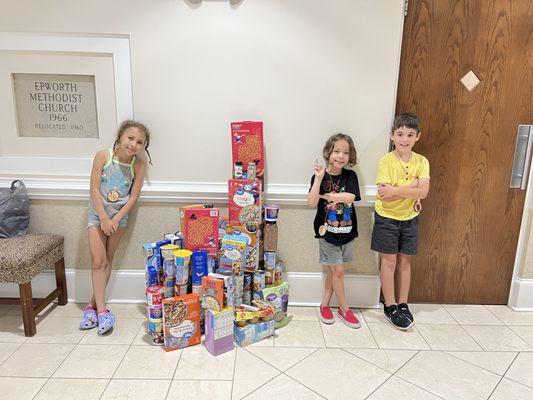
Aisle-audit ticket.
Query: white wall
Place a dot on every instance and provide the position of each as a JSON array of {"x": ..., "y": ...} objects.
[{"x": 307, "y": 68}]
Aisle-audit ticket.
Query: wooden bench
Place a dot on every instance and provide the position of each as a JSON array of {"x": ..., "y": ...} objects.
[{"x": 22, "y": 259}]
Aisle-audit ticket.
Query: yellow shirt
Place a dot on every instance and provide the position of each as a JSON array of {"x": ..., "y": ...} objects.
[{"x": 398, "y": 173}]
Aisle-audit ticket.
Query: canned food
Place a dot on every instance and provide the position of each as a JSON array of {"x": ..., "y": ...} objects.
[
  {"x": 169, "y": 268},
  {"x": 211, "y": 264},
  {"x": 278, "y": 273},
  {"x": 247, "y": 297},
  {"x": 238, "y": 301},
  {"x": 155, "y": 311},
  {"x": 182, "y": 274},
  {"x": 270, "y": 260},
  {"x": 269, "y": 277},
  {"x": 259, "y": 281},
  {"x": 167, "y": 251},
  {"x": 169, "y": 291},
  {"x": 154, "y": 295},
  {"x": 197, "y": 288},
  {"x": 157, "y": 338},
  {"x": 181, "y": 289},
  {"x": 155, "y": 325}
]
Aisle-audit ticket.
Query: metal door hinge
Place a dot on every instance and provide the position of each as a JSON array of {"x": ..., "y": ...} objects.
[{"x": 405, "y": 7}]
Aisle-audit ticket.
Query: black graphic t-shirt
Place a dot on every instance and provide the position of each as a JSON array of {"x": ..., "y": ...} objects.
[{"x": 339, "y": 219}]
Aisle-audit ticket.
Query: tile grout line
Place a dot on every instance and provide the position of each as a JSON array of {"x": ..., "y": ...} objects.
[
  {"x": 502, "y": 376},
  {"x": 472, "y": 336},
  {"x": 175, "y": 370},
  {"x": 494, "y": 314},
  {"x": 477, "y": 366},
  {"x": 124, "y": 356},
  {"x": 517, "y": 334},
  {"x": 233, "y": 376},
  {"x": 419, "y": 387},
  {"x": 345, "y": 349}
]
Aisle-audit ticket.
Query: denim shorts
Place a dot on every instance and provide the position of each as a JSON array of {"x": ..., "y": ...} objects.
[
  {"x": 94, "y": 220},
  {"x": 331, "y": 254},
  {"x": 391, "y": 236}
]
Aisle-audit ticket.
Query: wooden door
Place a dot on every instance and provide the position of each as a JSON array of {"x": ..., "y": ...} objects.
[{"x": 471, "y": 219}]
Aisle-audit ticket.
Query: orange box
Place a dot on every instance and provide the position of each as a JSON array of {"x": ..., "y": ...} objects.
[
  {"x": 181, "y": 321},
  {"x": 247, "y": 144},
  {"x": 213, "y": 293},
  {"x": 199, "y": 227},
  {"x": 244, "y": 203}
]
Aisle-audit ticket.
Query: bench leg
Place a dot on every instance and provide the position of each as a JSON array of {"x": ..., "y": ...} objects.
[
  {"x": 61, "y": 282},
  {"x": 26, "y": 306}
]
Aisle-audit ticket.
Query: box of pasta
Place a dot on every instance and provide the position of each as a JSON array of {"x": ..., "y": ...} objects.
[
  {"x": 199, "y": 227},
  {"x": 247, "y": 145},
  {"x": 181, "y": 321}
]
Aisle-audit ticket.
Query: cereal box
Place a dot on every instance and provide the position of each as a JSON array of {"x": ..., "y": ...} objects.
[
  {"x": 232, "y": 253},
  {"x": 181, "y": 321},
  {"x": 199, "y": 228},
  {"x": 219, "y": 331},
  {"x": 244, "y": 203},
  {"x": 253, "y": 333},
  {"x": 252, "y": 250},
  {"x": 213, "y": 293},
  {"x": 247, "y": 144}
]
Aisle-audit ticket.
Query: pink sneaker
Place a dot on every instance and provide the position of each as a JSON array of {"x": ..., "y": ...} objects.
[
  {"x": 349, "y": 319},
  {"x": 326, "y": 315}
]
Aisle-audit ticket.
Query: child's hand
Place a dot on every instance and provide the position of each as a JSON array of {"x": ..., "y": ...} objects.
[
  {"x": 114, "y": 225},
  {"x": 106, "y": 226},
  {"x": 386, "y": 191},
  {"x": 319, "y": 170}
]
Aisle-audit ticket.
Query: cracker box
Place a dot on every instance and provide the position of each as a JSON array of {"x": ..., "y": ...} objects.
[
  {"x": 247, "y": 144},
  {"x": 278, "y": 296},
  {"x": 219, "y": 331},
  {"x": 244, "y": 203},
  {"x": 199, "y": 228},
  {"x": 181, "y": 321},
  {"x": 253, "y": 333},
  {"x": 212, "y": 293},
  {"x": 252, "y": 250},
  {"x": 232, "y": 253}
]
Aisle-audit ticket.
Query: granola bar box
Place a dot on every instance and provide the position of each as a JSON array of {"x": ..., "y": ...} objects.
[
  {"x": 247, "y": 144},
  {"x": 252, "y": 250},
  {"x": 219, "y": 331},
  {"x": 232, "y": 254},
  {"x": 181, "y": 321},
  {"x": 244, "y": 203},
  {"x": 253, "y": 333},
  {"x": 199, "y": 227}
]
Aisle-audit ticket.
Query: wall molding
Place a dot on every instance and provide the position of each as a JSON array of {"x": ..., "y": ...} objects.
[
  {"x": 521, "y": 297},
  {"x": 56, "y": 184},
  {"x": 128, "y": 286}
]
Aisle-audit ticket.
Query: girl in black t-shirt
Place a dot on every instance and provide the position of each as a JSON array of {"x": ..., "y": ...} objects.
[{"x": 333, "y": 191}]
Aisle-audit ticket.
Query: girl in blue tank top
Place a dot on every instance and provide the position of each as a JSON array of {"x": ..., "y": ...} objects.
[{"x": 116, "y": 180}]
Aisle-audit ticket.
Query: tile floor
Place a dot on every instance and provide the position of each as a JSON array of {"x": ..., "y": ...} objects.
[{"x": 453, "y": 352}]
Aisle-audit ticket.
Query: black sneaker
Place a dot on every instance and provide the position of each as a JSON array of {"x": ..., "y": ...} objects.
[
  {"x": 404, "y": 309},
  {"x": 396, "y": 318}
]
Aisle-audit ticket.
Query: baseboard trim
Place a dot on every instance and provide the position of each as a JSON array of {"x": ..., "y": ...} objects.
[
  {"x": 127, "y": 286},
  {"x": 521, "y": 298}
]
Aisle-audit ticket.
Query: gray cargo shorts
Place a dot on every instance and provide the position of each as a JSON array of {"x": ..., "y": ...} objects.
[{"x": 331, "y": 254}]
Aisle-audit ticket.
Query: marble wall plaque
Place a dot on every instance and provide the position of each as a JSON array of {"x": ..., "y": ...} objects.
[{"x": 55, "y": 105}]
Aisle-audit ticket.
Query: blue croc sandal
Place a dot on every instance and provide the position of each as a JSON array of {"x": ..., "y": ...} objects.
[
  {"x": 89, "y": 320},
  {"x": 106, "y": 320}
]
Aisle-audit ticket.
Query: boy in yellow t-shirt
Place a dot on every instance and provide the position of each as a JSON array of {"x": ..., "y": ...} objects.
[{"x": 403, "y": 180}]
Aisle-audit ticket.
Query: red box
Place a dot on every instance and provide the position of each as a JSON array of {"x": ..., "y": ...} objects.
[
  {"x": 199, "y": 227},
  {"x": 247, "y": 144},
  {"x": 244, "y": 203}
]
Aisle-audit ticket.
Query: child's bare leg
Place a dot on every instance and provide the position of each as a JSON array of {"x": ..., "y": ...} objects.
[
  {"x": 111, "y": 246},
  {"x": 97, "y": 247},
  {"x": 404, "y": 269},
  {"x": 388, "y": 265},
  {"x": 337, "y": 281},
  {"x": 328, "y": 289}
]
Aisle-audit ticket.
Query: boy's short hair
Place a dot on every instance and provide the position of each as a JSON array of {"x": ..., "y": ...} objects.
[{"x": 409, "y": 120}]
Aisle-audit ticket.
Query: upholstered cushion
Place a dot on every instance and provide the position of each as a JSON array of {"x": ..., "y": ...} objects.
[{"x": 23, "y": 257}]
